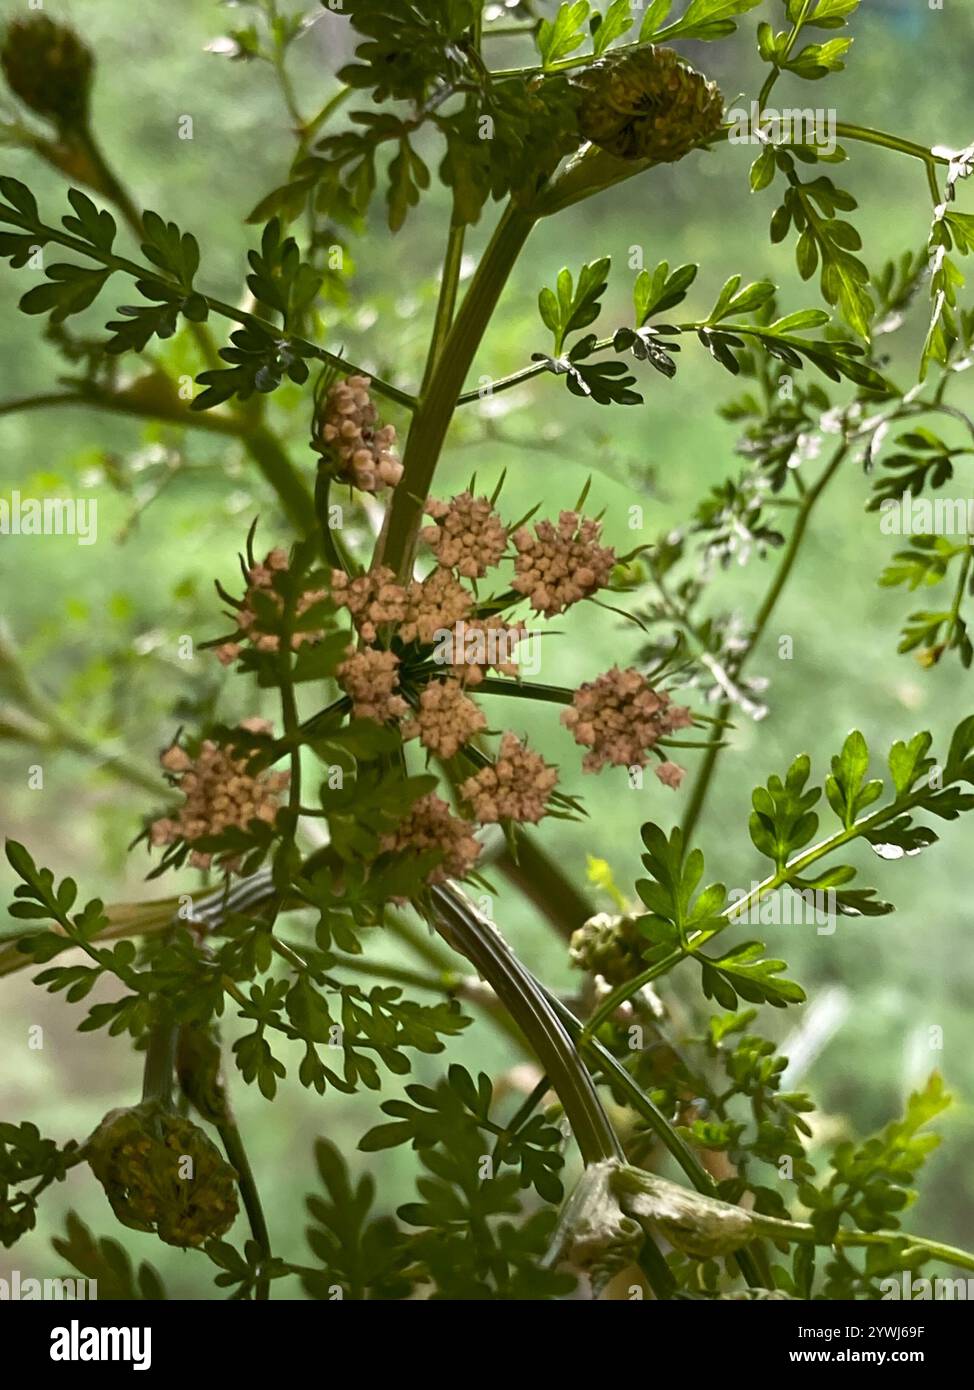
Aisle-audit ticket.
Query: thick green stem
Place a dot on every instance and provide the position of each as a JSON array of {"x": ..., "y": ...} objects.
[
  {"x": 447, "y": 302},
  {"x": 479, "y": 941},
  {"x": 160, "y": 1060},
  {"x": 438, "y": 402}
]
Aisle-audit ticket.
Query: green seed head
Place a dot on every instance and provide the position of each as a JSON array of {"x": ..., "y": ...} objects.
[
  {"x": 648, "y": 104},
  {"x": 49, "y": 68},
  {"x": 161, "y": 1173}
]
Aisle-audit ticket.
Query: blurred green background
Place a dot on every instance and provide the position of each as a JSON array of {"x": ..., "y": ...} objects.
[{"x": 98, "y": 626}]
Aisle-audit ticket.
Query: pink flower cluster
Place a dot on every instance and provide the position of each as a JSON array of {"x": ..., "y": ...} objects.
[
  {"x": 619, "y": 717},
  {"x": 260, "y": 590},
  {"x": 516, "y": 787},
  {"x": 431, "y": 825},
  {"x": 363, "y": 448},
  {"x": 468, "y": 536},
  {"x": 560, "y": 565},
  {"x": 220, "y": 794}
]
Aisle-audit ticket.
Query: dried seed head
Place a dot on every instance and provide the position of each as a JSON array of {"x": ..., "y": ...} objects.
[
  {"x": 49, "y": 68},
  {"x": 161, "y": 1173},
  {"x": 647, "y": 104}
]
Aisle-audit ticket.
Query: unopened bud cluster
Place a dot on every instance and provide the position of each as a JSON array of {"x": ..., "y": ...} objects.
[
  {"x": 516, "y": 787},
  {"x": 430, "y": 826},
  {"x": 371, "y": 678},
  {"x": 363, "y": 449},
  {"x": 446, "y": 719},
  {"x": 619, "y": 717},
  {"x": 560, "y": 565},
  {"x": 468, "y": 535},
  {"x": 220, "y": 795},
  {"x": 262, "y": 608},
  {"x": 610, "y": 946}
]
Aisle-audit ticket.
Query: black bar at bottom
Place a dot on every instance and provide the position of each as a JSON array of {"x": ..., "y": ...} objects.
[{"x": 166, "y": 1339}]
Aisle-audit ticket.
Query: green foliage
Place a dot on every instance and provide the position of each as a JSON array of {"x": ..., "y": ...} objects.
[
  {"x": 106, "y": 1262},
  {"x": 490, "y": 1162}
]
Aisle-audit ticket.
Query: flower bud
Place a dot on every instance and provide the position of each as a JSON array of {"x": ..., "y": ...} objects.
[
  {"x": 647, "y": 104},
  {"x": 49, "y": 68},
  {"x": 609, "y": 946},
  {"x": 161, "y": 1173}
]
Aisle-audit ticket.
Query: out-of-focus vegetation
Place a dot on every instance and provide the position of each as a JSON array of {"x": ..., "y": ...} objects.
[{"x": 98, "y": 627}]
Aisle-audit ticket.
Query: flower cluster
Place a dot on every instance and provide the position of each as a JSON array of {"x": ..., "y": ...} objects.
[
  {"x": 560, "y": 565},
  {"x": 434, "y": 605},
  {"x": 220, "y": 794},
  {"x": 349, "y": 426},
  {"x": 430, "y": 825},
  {"x": 371, "y": 677},
  {"x": 479, "y": 645},
  {"x": 446, "y": 719},
  {"x": 516, "y": 787},
  {"x": 468, "y": 536},
  {"x": 620, "y": 717},
  {"x": 372, "y": 599},
  {"x": 262, "y": 608}
]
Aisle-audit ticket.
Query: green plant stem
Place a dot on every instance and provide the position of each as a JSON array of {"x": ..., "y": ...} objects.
[
  {"x": 782, "y": 574},
  {"x": 802, "y": 1233},
  {"x": 477, "y": 938},
  {"x": 160, "y": 1060},
  {"x": 236, "y": 1153},
  {"x": 324, "y": 115},
  {"x": 781, "y": 59},
  {"x": 447, "y": 301},
  {"x": 846, "y": 130},
  {"x": 438, "y": 401},
  {"x": 479, "y": 941}
]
